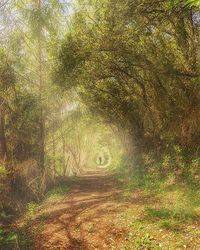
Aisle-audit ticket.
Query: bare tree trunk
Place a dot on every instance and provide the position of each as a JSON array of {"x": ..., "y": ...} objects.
[
  {"x": 41, "y": 141},
  {"x": 3, "y": 146},
  {"x": 63, "y": 149},
  {"x": 54, "y": 155},
  {"x": 41, "y": 120},
  {"x": 66, "y": 166}
]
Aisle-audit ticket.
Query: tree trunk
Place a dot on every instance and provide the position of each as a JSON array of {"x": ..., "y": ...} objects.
[
  {"x": 41, "y": 141},
  {"x": 64, "y": 161},
  {"x": 54, "y": 155},
  {"x": 42, "y": 120},
  {"x": 3, "y": 146}
]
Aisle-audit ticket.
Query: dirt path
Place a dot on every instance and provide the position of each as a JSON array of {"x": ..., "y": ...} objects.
[
  {"x": 95, "y": 214},
  {"x": 86, "y": 218}
]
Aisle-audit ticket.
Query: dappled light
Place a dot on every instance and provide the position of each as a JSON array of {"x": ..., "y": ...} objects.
[{"x": 99, "y": 124}]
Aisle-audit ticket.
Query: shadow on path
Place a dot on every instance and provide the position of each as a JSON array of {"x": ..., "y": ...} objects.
[{"x": 85, "y": 218}]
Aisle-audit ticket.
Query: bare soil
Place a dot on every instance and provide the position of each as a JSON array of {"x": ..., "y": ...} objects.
[
  {"x": 96, "y": 214},
  {"x": 86, "y": 218}
]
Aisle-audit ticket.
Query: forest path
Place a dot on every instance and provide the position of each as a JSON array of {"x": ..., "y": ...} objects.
[{"x": 85, "y": 218}]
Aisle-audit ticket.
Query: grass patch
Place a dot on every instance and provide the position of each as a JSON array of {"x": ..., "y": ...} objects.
[
  {"x": 161, "y": 213},
  {"x": 53, "y": 194},
  {"x": 145, "y": 242},
  {"x": 167, "y": 210},
  {"x": 43, "y": 217},
  {"x": 23, "y": 238},
  {"x": 32, "y": 208},
  {"x": 57, "y": 192},
  {"x": 10, "y": 240},
  {"x": 160, "y": 232},
  {"x": 7, "y": 239},
  {"x": 170, "y": 225},
  {"x": 6, "y": 216},
  {"x": 169, "y": 219}
]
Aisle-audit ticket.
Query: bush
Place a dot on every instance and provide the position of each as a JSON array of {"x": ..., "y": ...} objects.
[
  {"x": 5, "y": 198},
  {"x": 8, "y": 240}
]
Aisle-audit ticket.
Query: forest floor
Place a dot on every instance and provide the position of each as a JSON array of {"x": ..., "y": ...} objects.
[{"x": 96, "y": 214}]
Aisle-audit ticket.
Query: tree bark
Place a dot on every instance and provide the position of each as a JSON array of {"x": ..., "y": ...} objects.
[
  {"x": 41, "y": 120},
  {"x": 54, "y": 155},
  {"x": 3, "y": 145},
  {"x": 64, "y": 160}
]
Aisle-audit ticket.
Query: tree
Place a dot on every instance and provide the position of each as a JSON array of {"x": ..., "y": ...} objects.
[
  {"x": 38, "y": 35},
  {"x": 7, "y": 80},
  {"x": 136, "y": 64}
]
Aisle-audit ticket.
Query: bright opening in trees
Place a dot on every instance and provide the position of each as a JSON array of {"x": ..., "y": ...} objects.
[{"x": 99, "y": 124}]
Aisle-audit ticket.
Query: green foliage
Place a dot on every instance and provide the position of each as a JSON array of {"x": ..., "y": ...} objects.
[
  {"x": 179, "y": 215},
  {"x": 3, "y": 171},
  {"x": 4, "y": 190},
  {"x": 162, "y": 213},
  {"x": 56, "y": 192},
  {"x": 146, "y": 242},
  {"x": 168, "y": 215},
  {"x": 5, "y": 216},
  {"x": 7, "y": 75},
  {"x": 8, "y": 239},
  {"x": 136, "y": 73},
  {"x": 195, "y": 3},
  {"x": 23, "y": 117},
  {"x": 135, "y": 65},
  {"x": 43, "y": 217},
  {"x": 162, "y": 204},
  {"x": 31, "y": 211}
]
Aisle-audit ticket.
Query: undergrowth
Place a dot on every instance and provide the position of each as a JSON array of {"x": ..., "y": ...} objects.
[
  {"x": 57, "y": 192},
  {"x": 12, "y": 238},
  {"x": 165, "y": 199}
]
